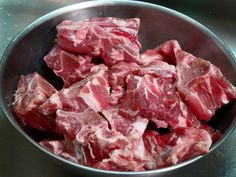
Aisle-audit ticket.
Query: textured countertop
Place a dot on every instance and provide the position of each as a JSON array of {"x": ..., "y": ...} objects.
[{"x": 19, "y": 158}]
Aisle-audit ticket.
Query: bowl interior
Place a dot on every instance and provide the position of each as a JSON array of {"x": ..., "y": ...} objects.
[{"x": 158, "y": 24}]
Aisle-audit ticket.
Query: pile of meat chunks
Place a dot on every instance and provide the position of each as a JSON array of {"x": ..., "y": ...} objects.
[{"x": 119, "y": 109}]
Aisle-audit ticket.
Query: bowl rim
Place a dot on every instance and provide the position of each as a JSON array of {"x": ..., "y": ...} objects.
[{"x": 94, "y": 3}]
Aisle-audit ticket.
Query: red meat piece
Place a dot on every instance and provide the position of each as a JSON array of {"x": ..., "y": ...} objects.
[
  {"x": 93, "y": 92},
  {"x": 111, "y": 38},
  {"x": 98, "y": 143},
  {"x": 127, "y": 28},
  {"x": 71, "y": 68},
  {"x": 215, "y": 134},
  {"x": 89, "y": 134},
  {"x": 55, "y": 146},
  {"x": 182, "y": 144},
  {"x": 117, "y": 75},
  {"x": 58, "y": 147},
  {"x": 119, "y": 72},
  {"x": 130, "y": 129},
  {"x": 93, "y": 139},
  {"x": 133, "y": 156},
  {"x": 202, "y": 85},
  {"x": 164, "y": 52},
  {"x": 32, "y": 91},
  {"x": 107, "y": 164},
  {"x": 157, "y": 69},
  {"x": 68, "y": 123},
  {"x": 157, "y": 148},
  {"x": 156, "y": 98},
  {"x": 188, "y": 143}
]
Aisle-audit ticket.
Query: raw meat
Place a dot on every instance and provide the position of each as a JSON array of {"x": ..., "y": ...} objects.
[
  {"x": 55, "y": 146},
  {"x": 164, "y": 52},
  {"x": 132, "y": 157},
  {"x": 118, "y": 73},
  {"x": 111, "y": 38},
  {"x": 33, "y": 91},
  {"x": 182, "y": 144},
  {"x": 58, "y": 147},
  {"x": 202, "y": 85},
  {"x": 156, "y": 98},
  {"x": 93, "y": 91},
  {"x": 107, "y": 164},
  {"x": 215, "y": 134},
  {"x": 130, "y": 129},
  {"x": 127, "y": 28},
  {"x": 71, "y": 68},
  {"x": 157, "y": 69},
  {"x": 92, "y": 138},
  {"x": 118, "y": 110}
]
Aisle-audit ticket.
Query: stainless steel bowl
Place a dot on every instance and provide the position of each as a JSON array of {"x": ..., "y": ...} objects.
[{"x": 158, "y": 24}]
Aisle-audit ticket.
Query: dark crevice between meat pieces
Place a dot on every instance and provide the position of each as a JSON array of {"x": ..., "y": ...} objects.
[
  {"x": 39, "y": 135},
  {"x": 167, "y": 59},
  {"x": 163, "y": 131},
  {"x": 152, "y": 126},
  {"x": 101, "y": 114},
  {"x": 218, "y": 121},
  {"x": 97, "y": 60},
  {"x": 51, "y": 77},
  {"x": 125, "y": 88}
]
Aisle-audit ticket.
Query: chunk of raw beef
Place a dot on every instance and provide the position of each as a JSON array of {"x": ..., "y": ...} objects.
[
  {"x": 182, "y": 144},
  {"x": 107, "y": 164},
  {"x": 32, "y": 91},
  {"x": 127, "y": 28},
  {"x": 58, "y": 147},
  {"x": 70, "y": 67},
  {"x": 93, "y": 92},
  {"x": 202, "y": 85},
  {"x": 68, "y": 123},
  {"x": 157, "y": 69},
  {"x": 119, "y": 72},
  {"x": 89, "y": 134},
  {"x": 133, "y": 156},
  {"x": 215, "y": 134},
  {"x": 164, "y": 52},
  {"x": 156, "y": 98},
  {"x": 113, "y": 39},
  {"x": 130, "y": 129}
]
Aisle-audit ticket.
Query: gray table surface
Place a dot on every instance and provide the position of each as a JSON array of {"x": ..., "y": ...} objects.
[{"x": 19, "y": 158}]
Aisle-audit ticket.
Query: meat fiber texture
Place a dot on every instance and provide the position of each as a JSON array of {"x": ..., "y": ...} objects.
[
  {"x": 70, "y": 67},
  {"x": 32, "y": 91},
  {"x": 121, "y": 110},
  {"x": 111, "y": 38}
]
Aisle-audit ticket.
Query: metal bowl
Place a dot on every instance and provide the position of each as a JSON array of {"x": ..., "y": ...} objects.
[{"x": 158, "y": 24}]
